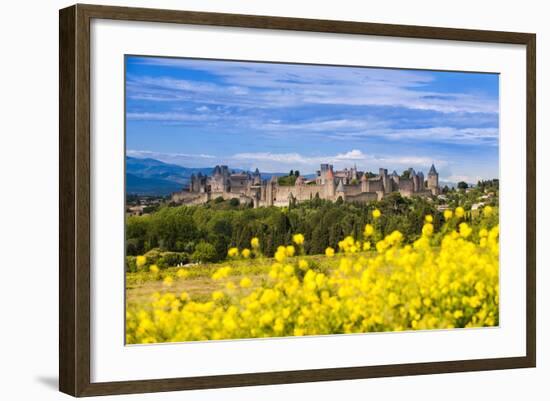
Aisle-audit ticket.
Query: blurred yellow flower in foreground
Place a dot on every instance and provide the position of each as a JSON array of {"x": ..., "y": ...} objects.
[
  {"x": 444, "y": 280},
  {"x": 141, "y": 261},
  {"x": 298, "y": 239}
]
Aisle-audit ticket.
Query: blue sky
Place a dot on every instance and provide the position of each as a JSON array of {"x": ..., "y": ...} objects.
[{"x": 277, "y": 117}]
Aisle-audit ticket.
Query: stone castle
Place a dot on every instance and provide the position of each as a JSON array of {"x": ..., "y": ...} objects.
[{"x": 349, "y": 184}]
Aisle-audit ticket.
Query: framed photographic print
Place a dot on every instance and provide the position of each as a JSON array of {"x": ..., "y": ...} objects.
[{"x": 250, "y": 200}]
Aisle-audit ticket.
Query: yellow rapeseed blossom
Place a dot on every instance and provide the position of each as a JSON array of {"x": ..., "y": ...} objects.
[
  {"x": 448, "y": 214},
  {"x": 298, "y": 239},
  {"x": 182, "y": 273},
  {"x": 141, "y": 261},
  {"x": 428, "y": 229},
  {"x": 459, "y": 212},
  {"x": 464, "y": 230},
  {"x": 280, "y": 255},
  {"x": 376, "y": 213},
  {"x": 369, "y": 230},
  {"x": 246, "y": 253},
  {"x": 221, "y": 273},
  {"x": 428, "y": 218},
  {"x": 168, "y": 281},
  {"x": 217, "y": 295},
  {"x": 255, "y": 242},
  {"x": 232, "y": 252},
  {"x": 245, "y": 282},
  {"x": 154, "y": 269},
  {"x": 487, "y": 211},
  {"x": 437, "y": 282},
  {"x": 290, "y": 250}
]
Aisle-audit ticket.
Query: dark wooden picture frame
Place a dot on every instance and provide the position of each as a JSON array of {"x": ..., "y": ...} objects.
[{"x": 74, "y": 203}]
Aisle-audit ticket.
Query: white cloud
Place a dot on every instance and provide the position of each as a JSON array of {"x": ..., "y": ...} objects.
[
  {"x": 470, "y": 179},
  {"x": 168, "y": 157},
  {"x": 260, "y": 85},
  {"x": 276, "y": 162}
]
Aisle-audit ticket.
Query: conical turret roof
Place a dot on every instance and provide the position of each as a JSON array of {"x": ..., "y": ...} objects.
[
  {"x": 432, "y": 171},
  {"x": 340, "y": 186}
]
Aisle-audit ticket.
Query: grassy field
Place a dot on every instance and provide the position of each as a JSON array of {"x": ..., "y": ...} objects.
[{"x": 199, "y": 283}]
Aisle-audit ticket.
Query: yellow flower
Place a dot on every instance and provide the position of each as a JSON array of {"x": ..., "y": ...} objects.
[
  {"x": 298, "y": 239},
  {"x": 428, "y": 218},
  {"x": 217, "y": 295},
  {"x": 154, "y": 269},
  {"x": 438, "y": 281},
  {"x": 182, "y": 273},
  {"x": 232, "y": 252},
  {"x": 141, "y": 261},
  {"x": 280, "y": 255},
  {"x": 366, "y": 246},
  {"x": 245, "y": 282},
  {"x": 428, "y": 229},
  {"x": 487, "y": 211},
  {"x": 448, "y": 214},
  {"x": 376, "y": 213},
  {"x": 369, "y": 230},
  {"x": 246, "y": 253},
  {"x": 168, "y": 281},
  {"x": 255, "y": 242},
  {"x": 290, "y": 250},
  {"x": 222, "y": 272},
  {"x": 459, "y": 211},
  {"x": 464, "y": 230}
]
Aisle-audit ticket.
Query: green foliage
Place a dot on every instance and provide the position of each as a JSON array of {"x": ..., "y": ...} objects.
[
  {"x": 207, "y": 231},
  {"x": 288, "y": 180},
  {"x": 130, "y": 265},
  {"x": 462, "y": 185},
  {"x": 204, "y": 253},
  {"x": 171, "y": 259}
]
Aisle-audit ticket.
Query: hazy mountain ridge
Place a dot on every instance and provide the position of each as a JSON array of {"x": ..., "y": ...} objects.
[{"x": 153, "y": 177}]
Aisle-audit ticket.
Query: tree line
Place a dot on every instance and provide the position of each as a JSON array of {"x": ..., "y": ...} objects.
[{"x": 212, "y": 228}]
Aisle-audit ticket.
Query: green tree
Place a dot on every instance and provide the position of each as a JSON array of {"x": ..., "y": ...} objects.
[
  {"x": 204, "y": 253},
  {"x": 462, "y": 185}
]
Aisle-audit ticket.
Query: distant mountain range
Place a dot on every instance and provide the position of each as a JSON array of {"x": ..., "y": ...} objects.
[{"x": 153, "y": 177}]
